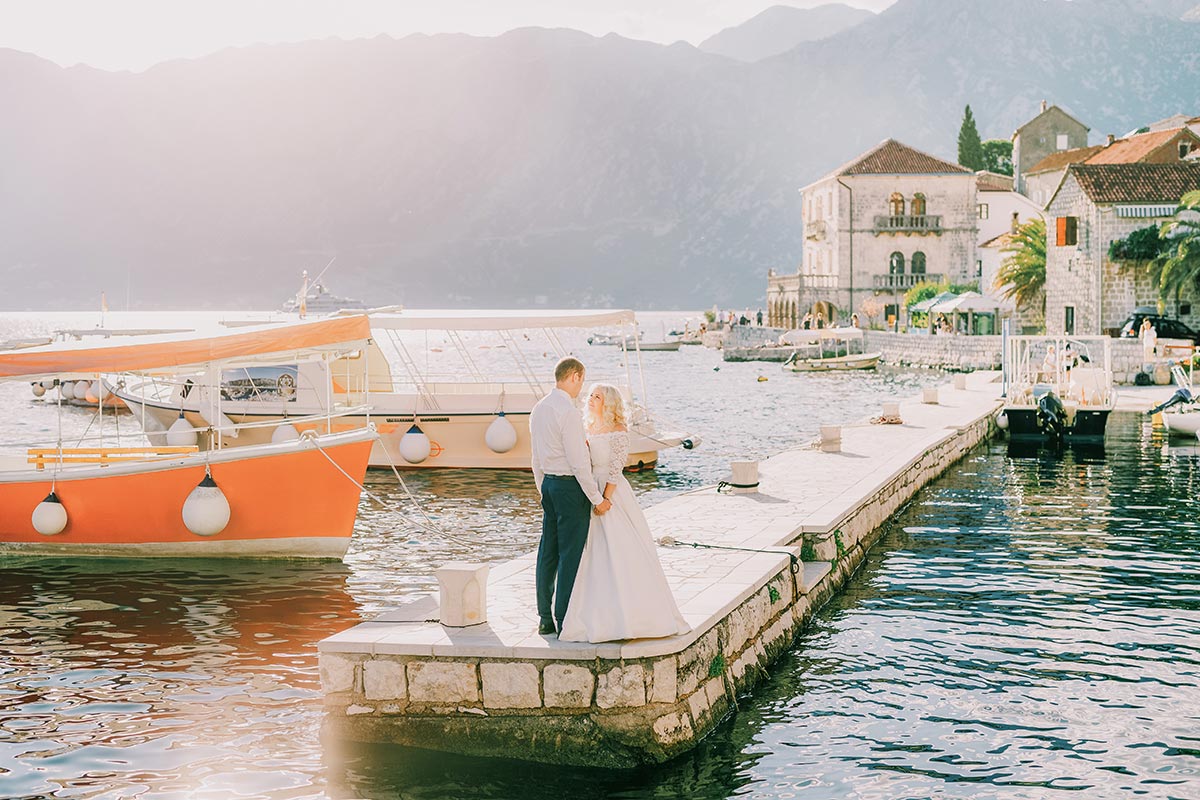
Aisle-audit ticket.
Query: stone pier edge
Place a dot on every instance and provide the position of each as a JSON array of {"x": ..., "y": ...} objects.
[{"x": 617, "y": 712}]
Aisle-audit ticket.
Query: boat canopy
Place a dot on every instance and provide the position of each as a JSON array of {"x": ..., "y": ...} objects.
[
  {"x": 419, "y": 319},
  {"x": 797, "y": 337},
  {"x": 178, "y": 351}
]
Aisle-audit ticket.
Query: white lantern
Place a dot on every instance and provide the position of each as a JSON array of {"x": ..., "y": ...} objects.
[
  {"x": 206, "y": 511},
  {"x": 38, "y": 390},
  {"x": 181, "y": 433},
  {"x": 50, "y": 516},
  {"x": 285, "y": 433},
  {"x": 81, "y": 389},
  {"x": 501, "y": 436},
  {"x": 414, "y": 445}
]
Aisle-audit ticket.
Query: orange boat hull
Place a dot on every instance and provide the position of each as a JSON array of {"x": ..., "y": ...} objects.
[{"x": 289, "y": 505}]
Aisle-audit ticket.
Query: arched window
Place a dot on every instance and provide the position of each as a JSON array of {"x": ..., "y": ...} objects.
[
  {"x": 896, "y": 204},
  {"x": 896, "y": 264},
  {"x": 918, "y": 205},
  {"x": 918, "y": 262}
]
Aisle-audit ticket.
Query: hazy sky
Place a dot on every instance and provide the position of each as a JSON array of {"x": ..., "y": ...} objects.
[{"x": 133, "y": 34}]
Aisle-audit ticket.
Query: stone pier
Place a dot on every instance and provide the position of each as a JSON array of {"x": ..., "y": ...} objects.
[{"x": 765, "y": 563}]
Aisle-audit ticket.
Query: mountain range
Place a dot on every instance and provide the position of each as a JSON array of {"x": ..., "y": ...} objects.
[{"x": 538, "y": 167}]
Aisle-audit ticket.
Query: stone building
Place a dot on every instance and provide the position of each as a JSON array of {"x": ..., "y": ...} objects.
[
  {"x": 1051, "y": 131},
  {"x": 874, "y": 228},
  {"x": 1086, "y": 293}
]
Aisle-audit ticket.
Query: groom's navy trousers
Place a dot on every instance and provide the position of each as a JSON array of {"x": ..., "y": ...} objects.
[{"x": 567, "y": 515}]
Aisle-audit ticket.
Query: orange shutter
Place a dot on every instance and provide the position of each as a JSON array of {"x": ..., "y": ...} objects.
[{"x": 1060, "y": 226}]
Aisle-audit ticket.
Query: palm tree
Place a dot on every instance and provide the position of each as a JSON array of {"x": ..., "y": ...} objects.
[
  {"x": 1022, "y": 274},
  {"x": 1178, "y": 266}
]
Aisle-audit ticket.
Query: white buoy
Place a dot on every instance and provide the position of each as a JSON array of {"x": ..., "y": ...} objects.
[
  {"x": 50, "y": 516},
  {"x": 285, "y": 433},
  {"x": 67, "y": 390},
  {"x": 206, "y": 511},
  {"x": 501, "y": 436},
  {"x": 414, "y": 445},
  {"x": 1002, "y": 421},
  {"x": 101, "y": 391},
  {"x": 38, "y": 390},
  {"x": 48, "y": 384},
  {"x": 81, "y": 389},
  {"x": 181, "y": 433}
]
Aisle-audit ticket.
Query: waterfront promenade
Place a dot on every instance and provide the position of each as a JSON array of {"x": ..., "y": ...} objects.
[{"x": 499, "y": 688}]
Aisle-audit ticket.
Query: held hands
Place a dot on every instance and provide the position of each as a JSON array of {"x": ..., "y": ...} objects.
[{"x": 604, "y": 506}]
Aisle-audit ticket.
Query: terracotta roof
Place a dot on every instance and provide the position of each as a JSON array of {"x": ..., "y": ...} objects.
[
  {"x": 1137, "y": 183},
  {"x": 998, "y": 241},
  {"x": 993, "y": 182},
  {"x": 1059, "y": 160},
  {"x": 890, "y": 157},
  {"x": 1135, "y": 148}
]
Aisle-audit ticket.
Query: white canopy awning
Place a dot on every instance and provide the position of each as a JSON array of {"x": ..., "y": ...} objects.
[
  {"x": 419, "y": 319},
  {"x": 967, "y": 301},
  {"x": 926, "y": 305}
]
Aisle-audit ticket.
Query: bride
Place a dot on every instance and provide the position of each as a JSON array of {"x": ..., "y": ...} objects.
[{"x": 620, "y": 591}]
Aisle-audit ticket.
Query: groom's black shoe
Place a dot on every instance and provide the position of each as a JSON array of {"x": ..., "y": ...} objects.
[{"x": 546, "y": 628}]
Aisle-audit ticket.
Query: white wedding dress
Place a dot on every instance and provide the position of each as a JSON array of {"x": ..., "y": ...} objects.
[{"x": 620, "y": 590}]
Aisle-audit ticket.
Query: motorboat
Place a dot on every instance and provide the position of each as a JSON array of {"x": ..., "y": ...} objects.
[
  {"x": 293, "y": 495},
  {"x": 461, "y": 400},
  {"x": 318, "y": 301},
  {"x": 1058, "y": 388},
  {"x": 1180, "y": 413},
  {"x": 827, "y": 350},
  {"x": 650, "y": 347}
]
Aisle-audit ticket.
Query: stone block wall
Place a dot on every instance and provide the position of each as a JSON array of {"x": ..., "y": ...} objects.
[
  {"x": 955, "y": 353},
  {"x": 612, "y": 712}
]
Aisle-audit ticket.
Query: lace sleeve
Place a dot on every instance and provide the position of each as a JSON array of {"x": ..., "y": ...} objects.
[{"x": 619, "y": 445}]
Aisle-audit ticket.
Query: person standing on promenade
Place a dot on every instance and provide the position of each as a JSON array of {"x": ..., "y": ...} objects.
[{"x": 562, "y": 472}]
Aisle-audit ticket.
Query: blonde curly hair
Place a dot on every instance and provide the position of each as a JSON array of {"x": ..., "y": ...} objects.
[{"x": 612, "y": 414}]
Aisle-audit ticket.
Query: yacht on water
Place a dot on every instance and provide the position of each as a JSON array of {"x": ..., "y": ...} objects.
[{"x": 318, "y": 301}]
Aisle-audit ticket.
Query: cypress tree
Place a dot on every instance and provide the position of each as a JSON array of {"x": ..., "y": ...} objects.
[{"x": 970, "y": 146}]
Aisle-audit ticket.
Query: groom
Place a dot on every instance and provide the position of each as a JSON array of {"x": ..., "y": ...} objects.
[{"x": 562, "y": 472}]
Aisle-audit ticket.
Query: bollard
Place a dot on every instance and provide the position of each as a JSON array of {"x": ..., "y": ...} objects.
[
  {"x": 463, "y": 593},
  {"x": 831, "y": 439},
  {"x": 891, "y": 410},
  {"x": 745, "y": 477},
  {"x": 960, "y": 381},
  {"x": 930, "y": 395}
]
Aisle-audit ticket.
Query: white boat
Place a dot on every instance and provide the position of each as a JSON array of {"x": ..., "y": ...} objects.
[
  {"x": 433, "y": 406},
  {"x": 1058, "y": 388},
  {"x": 1180, "y": 413},
  {"x": 295, "y": 496},
  {"x": 826, "y": 350},
  {"x": 319, "y": 301},
  {"x": 648, "y": 347}
]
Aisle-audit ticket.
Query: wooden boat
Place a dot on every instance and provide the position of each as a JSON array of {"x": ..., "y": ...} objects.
[
  {"x": 1058, "y": 388},
  {"x": 475, "y": 417},
  {"x": 667, "y": 347},
  {"x": 826, "y": 350},
  {"x": 296, "y": 497}
]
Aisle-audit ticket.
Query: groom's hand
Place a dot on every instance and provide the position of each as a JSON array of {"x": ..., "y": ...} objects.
[{"x": 605, "y": 505}]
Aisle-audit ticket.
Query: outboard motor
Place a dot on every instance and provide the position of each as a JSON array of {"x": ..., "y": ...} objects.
[
  {"x": 1181, "y": 397},
  {"x": 1052, "y": 417}
]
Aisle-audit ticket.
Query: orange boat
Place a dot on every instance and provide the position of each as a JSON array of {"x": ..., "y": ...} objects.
[{"x": 296, "y": 497}]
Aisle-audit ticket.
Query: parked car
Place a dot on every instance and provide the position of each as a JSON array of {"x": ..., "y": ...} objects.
[{"x": 1165, "y": 327}]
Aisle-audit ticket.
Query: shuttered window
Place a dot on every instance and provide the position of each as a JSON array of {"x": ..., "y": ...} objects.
[{"x": 1067, "y": 230}]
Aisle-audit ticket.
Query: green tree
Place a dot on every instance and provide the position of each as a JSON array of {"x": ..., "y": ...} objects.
[
  {"x": 970, "y": 146},
  {"x": 997, "y": 156},
  {"x": 1178, "y": 265},
  {"x": 1022, "y": 274}
]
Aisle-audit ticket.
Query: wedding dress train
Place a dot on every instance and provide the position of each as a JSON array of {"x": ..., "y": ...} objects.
[{"x": 620, "y": 590}]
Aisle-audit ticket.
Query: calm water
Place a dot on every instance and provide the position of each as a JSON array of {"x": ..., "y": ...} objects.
[{"x": 1027, "y": 627}]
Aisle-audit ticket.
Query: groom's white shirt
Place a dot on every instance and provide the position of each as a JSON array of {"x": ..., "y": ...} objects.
[{"x": 558, "y": 444}]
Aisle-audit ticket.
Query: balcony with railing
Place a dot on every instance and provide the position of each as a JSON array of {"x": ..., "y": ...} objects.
[
  {"x": 814, "y": 230},
  {"x": 908, "y": 223},
  {"x": 903, "y": 281},
  {"x": 818, "y": 281}
]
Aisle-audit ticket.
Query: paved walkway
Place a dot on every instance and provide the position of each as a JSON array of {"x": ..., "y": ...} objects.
[{"x": 801, "y": 491}]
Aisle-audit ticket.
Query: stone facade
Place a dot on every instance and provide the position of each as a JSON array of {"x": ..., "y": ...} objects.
[
  {"x": 874, "y": 232},
  {"x": 617, "y": 712},
  {"x": 1050, "y": 131},
  {"x": 1082, "y": 283}
]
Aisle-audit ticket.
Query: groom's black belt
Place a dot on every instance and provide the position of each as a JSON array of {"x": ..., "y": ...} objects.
[{"x": 561, "y": 477}]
